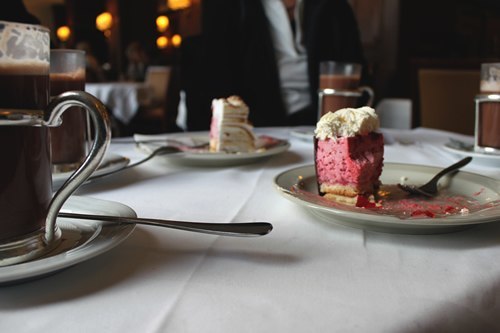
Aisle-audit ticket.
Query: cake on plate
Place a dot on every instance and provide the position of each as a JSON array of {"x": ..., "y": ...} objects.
[
  {"x": 230, "y": 130},
  {"x": 349, "y": 154}
]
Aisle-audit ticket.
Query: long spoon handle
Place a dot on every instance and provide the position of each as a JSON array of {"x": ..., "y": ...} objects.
[{"x": 224, "y": 229}]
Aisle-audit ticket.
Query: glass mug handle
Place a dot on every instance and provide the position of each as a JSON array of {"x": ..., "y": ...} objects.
[
  {"x": 371, "y": 95},
  {"x": 100, "y": 121}
]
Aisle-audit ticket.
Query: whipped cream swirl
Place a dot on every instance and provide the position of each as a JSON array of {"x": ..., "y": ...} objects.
[{"x": 347, "y": 122}]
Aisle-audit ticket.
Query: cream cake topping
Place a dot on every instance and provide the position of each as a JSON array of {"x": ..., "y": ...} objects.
[
  {"x": 231, "y": 111},
  {"x": 347, "y": 122}
]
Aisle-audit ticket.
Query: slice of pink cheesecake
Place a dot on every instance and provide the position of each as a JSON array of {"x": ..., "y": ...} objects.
[{"x": 349, "y": 154}]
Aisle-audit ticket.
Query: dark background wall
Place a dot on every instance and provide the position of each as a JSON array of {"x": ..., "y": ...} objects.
[{"x": 450, "y": 33}]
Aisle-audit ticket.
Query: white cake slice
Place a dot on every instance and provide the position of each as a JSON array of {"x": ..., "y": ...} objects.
[{"x": 230, "y": 130}]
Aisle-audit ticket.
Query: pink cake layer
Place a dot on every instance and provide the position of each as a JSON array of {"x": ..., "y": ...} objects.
[{"x": 350, "y": 166}]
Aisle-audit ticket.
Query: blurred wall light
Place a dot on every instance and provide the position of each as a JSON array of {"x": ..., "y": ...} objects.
[
  {"x": 176, "y": 40},
  {"x": 162, "y": 42},
  {"x": 63, "y": 33},
  {"x": 104, "y": 21},
  {"x": 178, "y": 4},
  {"x": 162, "y": 23}
]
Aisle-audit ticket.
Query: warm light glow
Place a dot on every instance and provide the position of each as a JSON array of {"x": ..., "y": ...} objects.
[
  {"x": 63, "y": 33},
  {"x": 176, "y": 40},
  {"x": 162, "y": 23},
  {"x": 104, "y": 21},
  {"x": 162, "y": 42},
  {"x": 178, "y": 4}
]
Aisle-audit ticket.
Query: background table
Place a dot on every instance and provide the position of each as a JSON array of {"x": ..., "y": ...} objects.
[
  {"x": 123, "y": 98},
  {"x": 307, "y": 275}
]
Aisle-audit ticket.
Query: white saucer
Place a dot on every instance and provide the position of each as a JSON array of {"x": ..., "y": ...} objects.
[
  {"x": 304, "y": 133},
  {"x": 81, "y": 239},
  {"x": 203, "y": 157},
  {"x": 479, "y": 158},
  {"x": 483, "y": 189},
  {"x": 109, "y": 163}
]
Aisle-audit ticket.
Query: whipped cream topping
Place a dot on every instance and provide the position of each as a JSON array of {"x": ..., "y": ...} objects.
[{"x": 347, "y": 122}]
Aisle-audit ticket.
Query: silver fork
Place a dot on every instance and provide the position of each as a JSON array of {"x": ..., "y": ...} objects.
[
  {"x": 430, "y": 189},
  {"x": 157, "y": 152}
]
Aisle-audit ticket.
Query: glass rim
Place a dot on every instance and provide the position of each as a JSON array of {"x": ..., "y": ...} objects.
[
  {"x": 332, "y": 67},
  {"x": 343, "y": 63},
  {"x": 72, "y": 51},
  {"x": 27, "y": 25}
]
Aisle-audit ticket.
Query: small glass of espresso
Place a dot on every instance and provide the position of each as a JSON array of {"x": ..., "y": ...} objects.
[
  {"x": 28, "y": 208},
  {"x": 339, "y": 87},
  {"x": 69, "y": 140},
  {"x": 487, "y": 111}
]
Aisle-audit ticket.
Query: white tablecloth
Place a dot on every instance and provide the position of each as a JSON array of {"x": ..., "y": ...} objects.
[
  {"x": 123, "y": 98},
  {"x": 305, "y": 276}
]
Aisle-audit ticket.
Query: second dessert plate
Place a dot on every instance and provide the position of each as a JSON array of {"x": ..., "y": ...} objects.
[
  {"x": 483, "y": 159},
  {"x": 266, "y": 147},
  {"x": 479, "y": 195}
]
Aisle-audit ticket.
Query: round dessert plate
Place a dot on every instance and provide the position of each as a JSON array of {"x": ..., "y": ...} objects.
[
  {"x": 109, "y": 163},
  {"x": 203, "y": 157},
  {"x": 81, "y": 240},
  {"x": 468, "y": 150},
  {"x": 300, "y": 186}
]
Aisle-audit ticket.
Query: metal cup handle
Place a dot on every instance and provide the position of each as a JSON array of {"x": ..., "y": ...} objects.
[
  {"x": 345, "y": 93},
  {"x": 371, "y": 95},
  {"x": 101, "y": 140}
]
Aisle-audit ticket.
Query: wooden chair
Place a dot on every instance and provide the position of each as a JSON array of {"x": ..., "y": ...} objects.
[
  {"x": 446, "y": 99},
  {"x": 153, "y": 114},
  {"x": 158, "y": 78}
]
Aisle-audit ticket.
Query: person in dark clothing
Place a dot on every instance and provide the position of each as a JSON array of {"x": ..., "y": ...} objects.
[
  {"x": 236, "y": 54},
  {"x": 137, "y": 62}
]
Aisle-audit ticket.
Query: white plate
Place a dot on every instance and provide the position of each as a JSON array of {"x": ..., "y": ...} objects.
[
  {"x": 479, "y": 158},
  {"x": 483, "y": 189},
  {"x": 82, "y": 239},
  {"x": 304, "y": 133},
  {"x": 109, "y": 163},
  {"x": 204, "y": 157}
]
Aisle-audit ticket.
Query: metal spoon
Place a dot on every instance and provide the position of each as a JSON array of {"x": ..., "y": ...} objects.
[
  {"x": 430, "y": 189},
  {"x": 223, "y": 229}
]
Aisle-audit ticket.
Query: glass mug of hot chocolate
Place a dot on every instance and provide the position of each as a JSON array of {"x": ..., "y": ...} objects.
[
  {"x": 69, "y": 141},
  {"x": 487, "y": 108},
  {"x": 28, "y": 207},
  {"x": 339, "y": 87}
]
